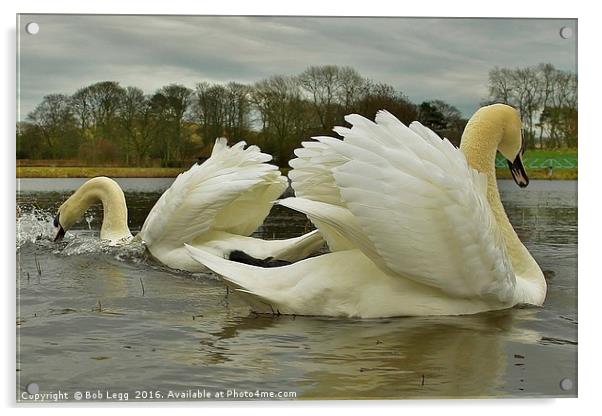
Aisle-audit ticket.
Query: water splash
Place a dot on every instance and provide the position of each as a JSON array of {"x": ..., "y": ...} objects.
[
  {"x": 34, "y": 227},
  {"x": 85, "y": 244},
  {"x": 89, "y": 219}
]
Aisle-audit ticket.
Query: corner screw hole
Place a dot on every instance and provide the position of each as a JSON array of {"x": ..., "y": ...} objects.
[
  {"x": 32, "y": 388},
  {"x": 566, "y": 384},
  {"x": 32, "y": 28},
  {"x": 566, "y": 32}
]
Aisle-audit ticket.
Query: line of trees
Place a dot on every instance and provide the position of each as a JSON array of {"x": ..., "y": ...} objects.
[
  {"x": 105, "y": 123},
  {"x": 546, "y": 98}
]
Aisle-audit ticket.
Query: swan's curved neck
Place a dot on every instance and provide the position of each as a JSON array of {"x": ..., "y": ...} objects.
[
  {"x": 479, "y": 144},
  {"x": 115, "y": 215}
]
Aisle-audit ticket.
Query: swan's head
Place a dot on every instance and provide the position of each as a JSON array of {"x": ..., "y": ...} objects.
[
  {"x": 502, "y": 123},
  {"x": 68, "y": 214},
  {"x": 60, "y": 231},
  {"x": 512, "y": 145}
]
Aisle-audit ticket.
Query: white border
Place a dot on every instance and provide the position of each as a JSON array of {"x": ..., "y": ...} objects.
[{"x": 589, "y": 188}]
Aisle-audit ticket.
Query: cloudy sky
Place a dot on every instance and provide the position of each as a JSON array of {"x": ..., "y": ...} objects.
[{"x": 427, "y": 59}]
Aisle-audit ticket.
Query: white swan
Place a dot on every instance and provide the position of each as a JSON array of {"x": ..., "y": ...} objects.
[
  {"x": 215, "y": 205},
  {"x": 416, "y": 226}
]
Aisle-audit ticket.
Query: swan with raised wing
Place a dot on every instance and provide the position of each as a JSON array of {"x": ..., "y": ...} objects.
[
  {"x": 415, "y": 225},
  {"x": 215, "y": 205}
]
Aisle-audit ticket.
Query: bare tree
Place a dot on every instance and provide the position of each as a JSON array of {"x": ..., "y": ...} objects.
[
  {"x": 380, "y": 96},
  {"x": 560, "y": 115},
  {"x": 321, "y": 83},
  {"x": 171, "y": 104},
  {"x": 208, "y": 109},
  {"x": 55, "y": 120},
  {"x": 525, "y": 86},
  {"x": 500, "y": 85},
  {"x": 333, "y": 91},
  {"x": 132, "y": 107},
  {"x": 540, "y": 93},
  {"x": 352, "y": 87},
  {"x": 284, "y": 115},
  {"x": 80, "y": 102},
  {"x": 104, "y": 100},
  {"x": 546, "y": 73}
]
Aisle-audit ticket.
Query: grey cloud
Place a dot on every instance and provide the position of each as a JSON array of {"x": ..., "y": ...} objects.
[{"x": 426, "y": 58}]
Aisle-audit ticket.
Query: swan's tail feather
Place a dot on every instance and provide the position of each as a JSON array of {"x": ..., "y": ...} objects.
[
  {"x": 301, "y": 247},
  {"x": 263, "y": 284},
  {"x": 337, "y": 225}
]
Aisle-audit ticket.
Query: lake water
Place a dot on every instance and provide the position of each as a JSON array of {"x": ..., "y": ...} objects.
[{"x": 116, "y": 323}]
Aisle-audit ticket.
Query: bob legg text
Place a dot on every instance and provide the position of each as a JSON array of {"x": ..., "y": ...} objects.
[{"x": 106, "y": 395}]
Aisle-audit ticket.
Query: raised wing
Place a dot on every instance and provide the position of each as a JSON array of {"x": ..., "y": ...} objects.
[
  {"x": 231, "y": 191},
  {"x": 311, "y": 176},
  {"x": 421, "y": 208},
  {"x": 317, "y": 194}
]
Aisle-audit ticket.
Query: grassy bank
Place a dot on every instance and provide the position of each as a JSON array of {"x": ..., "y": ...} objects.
[
  {"x": 127, "y": 172},
  {"x": 92, "y": 171},
  {"x": 504, "y": 173},
  {"x": 551, "y": 153}
]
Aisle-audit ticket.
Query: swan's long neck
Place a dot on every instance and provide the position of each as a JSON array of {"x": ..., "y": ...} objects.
[
  {"x": 109, "y": 193},
  {"x": 479, "y": 144}
]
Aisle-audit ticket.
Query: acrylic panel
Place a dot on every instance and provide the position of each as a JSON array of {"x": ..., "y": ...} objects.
[{"x": 406, "y": 256}]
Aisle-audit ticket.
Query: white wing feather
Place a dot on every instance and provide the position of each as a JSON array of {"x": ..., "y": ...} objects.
[
  {"x": 311, "y": 176},
  {"x": 423, "y": 211},
  {"x": 231, "y": 191}
]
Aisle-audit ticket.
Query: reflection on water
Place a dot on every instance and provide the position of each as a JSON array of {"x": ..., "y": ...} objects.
[
  {"x": 410, "y": 357},
  {"x": 102, "y": 317}
]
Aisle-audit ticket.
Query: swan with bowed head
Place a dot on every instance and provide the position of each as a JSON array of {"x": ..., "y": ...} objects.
[
  {"x": 415, "y": 226},
  {"x": 214, "y": 206}
]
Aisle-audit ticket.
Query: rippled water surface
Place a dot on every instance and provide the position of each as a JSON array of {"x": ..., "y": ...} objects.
[{"x": 93, "y": 317}]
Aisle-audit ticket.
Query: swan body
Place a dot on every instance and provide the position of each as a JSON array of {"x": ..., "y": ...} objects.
[
  {"x": 415, "y": 225},
  {"x": 215, "y": 205}
]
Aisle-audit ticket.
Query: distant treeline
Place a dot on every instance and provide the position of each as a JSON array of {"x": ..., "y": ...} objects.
[
  {"x": 105, "y": 123},
  {"x": 547, "y": 100}
]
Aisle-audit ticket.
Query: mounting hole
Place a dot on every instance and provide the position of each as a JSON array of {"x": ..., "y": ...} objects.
[
  {"x": 32, "y": 388},
  {"x": 566, "y": 384},
  {"x": 32, "y": 28},
  {"x": 566, "y": 32}
]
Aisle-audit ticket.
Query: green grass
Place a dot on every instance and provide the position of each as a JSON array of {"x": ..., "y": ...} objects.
[
  {"x": 551, "y": 153},
  {"x": 540, "y": 159}
]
